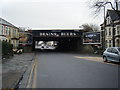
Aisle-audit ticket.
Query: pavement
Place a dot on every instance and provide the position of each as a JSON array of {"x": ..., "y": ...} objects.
[
  {"x": 14, "y": 68},
  {"x": 69, "y": 70}
]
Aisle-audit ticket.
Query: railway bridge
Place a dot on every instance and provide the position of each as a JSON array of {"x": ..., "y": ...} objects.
[{"x": 68, "y": 39}]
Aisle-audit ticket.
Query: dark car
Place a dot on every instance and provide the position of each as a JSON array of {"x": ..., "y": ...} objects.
[{"x": 112, "y": 54}]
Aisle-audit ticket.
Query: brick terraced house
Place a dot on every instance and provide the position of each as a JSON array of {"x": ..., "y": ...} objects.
[{"x": 9, "y": 33}]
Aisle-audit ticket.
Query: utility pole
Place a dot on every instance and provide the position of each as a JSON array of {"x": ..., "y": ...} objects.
[
  {"x": 116, "y": 2},
  {"x": 113, "y": 25},
  {"x": 104, "y": 44},
  {"x": 113, "y": 34},
  {"x": 103, "y": 31}
]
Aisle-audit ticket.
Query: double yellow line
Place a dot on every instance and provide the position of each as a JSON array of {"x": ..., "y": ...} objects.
[{"x": 33, "y": 75}]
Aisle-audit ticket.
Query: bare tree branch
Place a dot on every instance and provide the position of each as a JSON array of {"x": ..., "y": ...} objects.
[
  {"x": 97, "y": 5},
  {"x": 90, "y": 27}
]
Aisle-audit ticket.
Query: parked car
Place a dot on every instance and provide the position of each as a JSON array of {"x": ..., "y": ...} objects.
[
  {"x": 19, "y": 51},
  {"x": 112, "y": 54}
]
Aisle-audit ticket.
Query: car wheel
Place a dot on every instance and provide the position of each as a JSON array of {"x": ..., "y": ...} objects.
[{"x": 105, "y": 59}]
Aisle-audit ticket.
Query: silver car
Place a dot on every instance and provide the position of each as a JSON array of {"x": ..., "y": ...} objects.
[{"x": 112, "y": 54}]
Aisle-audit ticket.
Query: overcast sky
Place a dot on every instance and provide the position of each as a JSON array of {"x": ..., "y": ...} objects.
[{"x": 49, "y": 13}]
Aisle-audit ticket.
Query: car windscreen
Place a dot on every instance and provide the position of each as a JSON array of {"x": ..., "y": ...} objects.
[
  {"x": 119, "y": 49},
  {"x": 109, "y": 50}
]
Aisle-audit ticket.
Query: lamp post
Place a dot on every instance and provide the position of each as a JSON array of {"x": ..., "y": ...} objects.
[{"x": 116, "y": 2}]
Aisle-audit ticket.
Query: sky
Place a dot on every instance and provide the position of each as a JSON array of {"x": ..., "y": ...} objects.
[{"x": 49, "y": 13}]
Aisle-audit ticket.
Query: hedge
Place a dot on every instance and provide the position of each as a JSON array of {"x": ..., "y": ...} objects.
[{"x": 7, "y": 48}]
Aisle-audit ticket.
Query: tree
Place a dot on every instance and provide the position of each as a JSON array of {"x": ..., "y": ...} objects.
[
  {"x": 98, "y": 4},
  {"x": 22, "y": 29},
  {"x": 90, "y": 27}
]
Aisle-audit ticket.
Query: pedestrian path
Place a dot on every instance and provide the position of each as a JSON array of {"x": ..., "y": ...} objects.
[{"x": 13, "y": 69}]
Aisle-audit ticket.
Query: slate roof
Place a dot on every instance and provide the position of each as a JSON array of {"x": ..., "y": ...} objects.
[
  {"x": 4, "y": 22},
  {"x": 114, "y": 15}
]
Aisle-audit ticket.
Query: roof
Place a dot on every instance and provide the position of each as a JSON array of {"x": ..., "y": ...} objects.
[
  {"x": 56, "y": 29},
  {"x": 114, "y": 15},
  {"x": 4, "y": 22}
]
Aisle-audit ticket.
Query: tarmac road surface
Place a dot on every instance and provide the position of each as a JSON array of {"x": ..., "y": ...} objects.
[{"x": 68, "y": 70}]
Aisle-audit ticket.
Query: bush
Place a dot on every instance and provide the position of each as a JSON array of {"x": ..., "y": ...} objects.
[
  {"x": 7, "y": 48},
  {"x": 88, "y": 49}
]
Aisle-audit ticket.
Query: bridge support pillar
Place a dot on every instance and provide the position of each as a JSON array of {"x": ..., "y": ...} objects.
[
  {"x": 33, "y": 45},
  {"x": 77, "y": 45}
]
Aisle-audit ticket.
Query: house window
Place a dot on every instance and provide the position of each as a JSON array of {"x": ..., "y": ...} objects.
[
  {"x": 110, "y": 43},
  {"x": 118, "y": 30},
  {"x": 106, "y": 32},
  {"x": 108, "y": 21},
  {"x": 117, "y": 42},
  {"x": 106, "y": 44},
  {"x": 110, "y": 33},
  {"x": 14, "y": 32},
  {"x": 2, "y": 30},
  {"x": 115, "y": 31},
  {"x": 7, "y": 30},
  {"x": 102, "y": 28}
]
